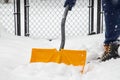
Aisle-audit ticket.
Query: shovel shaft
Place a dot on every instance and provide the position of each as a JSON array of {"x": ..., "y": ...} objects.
[{"x": 63, "y": 27}]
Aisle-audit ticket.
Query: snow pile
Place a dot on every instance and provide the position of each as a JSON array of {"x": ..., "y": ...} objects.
[
  {"x": 15, "y": 53},
  {"x": 108, "y": 70},
  {"x": 43, "y": 71}
]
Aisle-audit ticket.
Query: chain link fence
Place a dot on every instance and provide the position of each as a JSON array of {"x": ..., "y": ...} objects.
[
  {"x": 7, "y": 15},
  {"x": 45, "y": 18}
]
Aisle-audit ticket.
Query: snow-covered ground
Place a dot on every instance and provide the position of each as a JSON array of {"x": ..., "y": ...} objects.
[{"x": 15, "y": 53}]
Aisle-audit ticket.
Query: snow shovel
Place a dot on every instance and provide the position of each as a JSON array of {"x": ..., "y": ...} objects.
[{"x": 69, "y": 57}]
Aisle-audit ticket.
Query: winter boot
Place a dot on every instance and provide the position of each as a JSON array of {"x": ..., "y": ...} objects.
[{"x": 111, "y": 51}]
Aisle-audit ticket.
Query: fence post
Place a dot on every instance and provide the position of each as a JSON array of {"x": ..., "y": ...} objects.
[
  {"x": 26, "y": 17},
  {"x": 91, "y": 17},
  {"x": 17, "y": 17},
  {"x": 98, "y": 16}
]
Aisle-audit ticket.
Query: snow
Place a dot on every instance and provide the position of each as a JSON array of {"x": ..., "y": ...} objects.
[{"x": 15, "y": 53}]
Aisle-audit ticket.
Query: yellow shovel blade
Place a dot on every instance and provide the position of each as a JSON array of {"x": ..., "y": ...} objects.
[
  {"x": 74, "y": 57},
  {"x": 44, "y": 55}
]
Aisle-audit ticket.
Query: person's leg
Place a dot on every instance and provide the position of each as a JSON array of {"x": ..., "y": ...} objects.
[{"x": 112, "y": 20}]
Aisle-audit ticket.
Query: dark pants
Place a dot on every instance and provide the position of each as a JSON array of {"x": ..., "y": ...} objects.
[{"x": 112, "y": 20}]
